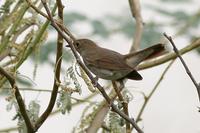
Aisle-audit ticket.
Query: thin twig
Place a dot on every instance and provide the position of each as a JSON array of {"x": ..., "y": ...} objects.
[
  {"x": 124, "y": 104},
  {"x": 19, "y": 99},
  {"x": 147, "y": 98},
  {"x": 136, "y": 13},
  {"x": 184, "y": 64},
  {"x": 36, "y": 9},
  {"x": 47, "y": 17},
  {"x": 101, "y": 89}
]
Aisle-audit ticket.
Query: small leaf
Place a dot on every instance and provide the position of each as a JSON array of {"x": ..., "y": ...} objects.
[
  {"x": 34, "y": 109},
  {"x": 64, "y": 102},
  {"x": 116, "y": 124}
]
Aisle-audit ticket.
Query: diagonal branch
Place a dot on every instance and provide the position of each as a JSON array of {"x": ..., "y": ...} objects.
[
  {"x": 101, "y": 89},
  {"x": 47, "y": 17},
  {"x": 184, "y": 64},
  {"x": 19, "y": 99}
]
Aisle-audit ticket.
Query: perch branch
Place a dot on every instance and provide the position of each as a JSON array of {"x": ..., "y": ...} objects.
[{"x": 124, "y": 104}]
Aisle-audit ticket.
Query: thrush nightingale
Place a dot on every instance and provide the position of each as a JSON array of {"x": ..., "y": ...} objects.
[{"x": 111, "y": 65}]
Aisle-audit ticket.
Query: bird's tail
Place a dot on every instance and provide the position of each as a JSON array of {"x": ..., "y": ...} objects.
[{"x": 133, "y": 59}]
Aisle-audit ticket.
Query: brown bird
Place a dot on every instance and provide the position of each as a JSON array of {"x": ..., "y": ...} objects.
[{"x": 111, "y": 65}]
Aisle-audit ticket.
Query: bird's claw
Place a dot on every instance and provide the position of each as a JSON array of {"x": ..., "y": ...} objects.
[{"x": 95, "y": 81}]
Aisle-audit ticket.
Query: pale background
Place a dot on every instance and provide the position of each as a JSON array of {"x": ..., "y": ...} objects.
[{"x": 173, "y": 107}]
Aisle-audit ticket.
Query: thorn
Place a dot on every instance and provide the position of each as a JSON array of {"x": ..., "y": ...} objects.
[{"x": 68, "y": 46}]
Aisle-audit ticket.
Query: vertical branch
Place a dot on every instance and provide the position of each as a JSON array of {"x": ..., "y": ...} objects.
[
  {"x": 59, "y": 53},
  {"x": 136, "y": 13},
  {"x": 124, "y": 104}
]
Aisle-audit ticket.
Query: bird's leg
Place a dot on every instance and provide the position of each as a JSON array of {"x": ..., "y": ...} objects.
[{"x": 121, "y": 83}]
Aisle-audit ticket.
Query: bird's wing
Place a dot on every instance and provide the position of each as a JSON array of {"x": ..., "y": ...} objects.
[{"x": 108, "y": 59}]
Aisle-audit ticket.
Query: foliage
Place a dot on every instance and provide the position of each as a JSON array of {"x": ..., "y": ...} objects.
[{"x": 71, "y": 85}]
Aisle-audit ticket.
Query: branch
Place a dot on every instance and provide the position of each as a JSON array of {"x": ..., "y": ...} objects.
[
  {"x": 124, "y": 104},
  {"x": 4, "y": 54},
  {"x": 136, "y": 13},
  {"x": 8, "y": 130},
  {"x": 103, "y": 108},
  {"x": 167, "y": 57},
  {"x": 19, "y": 99},
  {"x": 184, "y": 64},
  {"x": 100, "y": 88},
  {"x": 78, "y": 102},
  {"x": 59, "y": 53},
  {"x": 147, "y": 98},
  {"x": 97, "y": 121},
  {"x": 47, "y": 17}
]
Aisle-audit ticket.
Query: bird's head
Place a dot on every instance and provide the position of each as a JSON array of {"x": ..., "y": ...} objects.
[{"x": 83, "y": 45}]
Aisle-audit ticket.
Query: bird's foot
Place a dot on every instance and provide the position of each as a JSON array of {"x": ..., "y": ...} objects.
[{"x": 95, "y": 81}]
